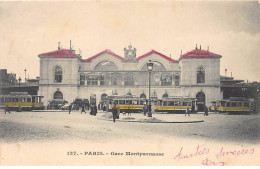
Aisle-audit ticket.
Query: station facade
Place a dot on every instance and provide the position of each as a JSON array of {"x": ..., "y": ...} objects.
[{"x": 65, "y": 75}]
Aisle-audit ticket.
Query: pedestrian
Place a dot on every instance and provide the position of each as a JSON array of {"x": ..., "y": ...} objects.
[
  {"x": 104, "y": 108},
  {"x": 95, "y": 110},
  {"x": 187, "y": 111},
  {"x": 70, "y": 107},
  {"x": 145, "y": 109},
  {"x": 206, "y": 111},
  {"x": 118, "y": 113},
  {"x": 128, "y": 109},
  {"x": 7, "y": 109},
  {"x": 124, "y": 113},
  {"x": 83, "y": 109},
  {"x": 91, "y": 109},
  {"x": 114, "y": 112}
]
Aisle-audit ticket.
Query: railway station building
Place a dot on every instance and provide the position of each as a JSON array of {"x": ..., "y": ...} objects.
[{"x": 65, "y": 75}]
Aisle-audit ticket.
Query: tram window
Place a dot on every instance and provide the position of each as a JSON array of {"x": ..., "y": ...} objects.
[
  {"x": 239, "y": 104},
  {"x": 246, "y": 104},
  {"x": 184, "y": 104},
  {"x": 177, "y": 103},
  {"x": 15, "y": 99},
  {"x": 228, "y": 104},
  {"x": 165, "y": 103},
  {"x": 222, "y": 104},
  {"x": 233, "y": 104},
  {"x": 141, "y": 102},
  {"x": 171, "y": 103},
  {"x": 121, "y": 101},
  {"x": 29, "y": 100},
  {"x": 135, "y": 102},
  {"x": 22, "y": 99},
  {"x": 7, "y": 100},
  {"x": 115, "y": 102},
  {"x": 129, "y": 102}
]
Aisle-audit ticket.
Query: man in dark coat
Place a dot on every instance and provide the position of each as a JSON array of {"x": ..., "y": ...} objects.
[
  {"x": 95, "y": 110},
  {"x": 114, "y": 112},
  {"x": 206, "y": 111},
  {"x": 91, "y": 109},
  {"x": 83, "y": 109},
  {"x": 70, "y": 107},
  {"x": 145, "y": 109},
  {"x": 7, "y": 109}
]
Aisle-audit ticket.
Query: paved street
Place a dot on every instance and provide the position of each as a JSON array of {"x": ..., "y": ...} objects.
[{"x": 59, "y": 126}]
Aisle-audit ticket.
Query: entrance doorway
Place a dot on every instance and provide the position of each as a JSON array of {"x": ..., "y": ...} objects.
[{"x": 200, "y": 101}]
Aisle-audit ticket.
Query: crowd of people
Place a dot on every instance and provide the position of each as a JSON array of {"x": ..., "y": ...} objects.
[{"x": 92, "y": 108}]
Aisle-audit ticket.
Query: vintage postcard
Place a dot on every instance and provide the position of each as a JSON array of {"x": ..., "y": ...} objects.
[{"x": 129, "y": 83}]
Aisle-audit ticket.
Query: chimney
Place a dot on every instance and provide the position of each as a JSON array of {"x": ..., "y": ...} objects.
[
  {"x": 225, "y": 72},
  {"x": 70, "y": 45},
  {"x": 58, "y": 45},
  {"x": 181, "y": 52},
  {"x": 200, "y": 47},
  {"x": 170, "y": 56},
  {"x": 196, "y": 47},
  {"x": 231, "y": 74},
  {"x": 208, "y": 48}
]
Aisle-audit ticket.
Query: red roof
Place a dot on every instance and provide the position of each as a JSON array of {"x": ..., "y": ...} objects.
[
  {"x": 61, "y": 53},
  {"x": 101, "y": 53},
  {"x": 198, "y": 53},
  {"x": 155, "y": 52}
]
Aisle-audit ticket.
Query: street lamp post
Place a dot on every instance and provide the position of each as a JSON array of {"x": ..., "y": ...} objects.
[
  {"x": 149, "y": 68},
  {"x": 24, "y": 75},
  {"x": 19, "y": 81}
]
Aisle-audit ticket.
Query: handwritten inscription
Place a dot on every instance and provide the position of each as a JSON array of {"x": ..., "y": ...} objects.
[
  {"x": 200, "y": 150},
  {"x": 203, "y": 150}
]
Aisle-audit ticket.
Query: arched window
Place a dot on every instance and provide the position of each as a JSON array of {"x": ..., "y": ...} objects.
[
  {"x": 157, "y": 66},
  {"x": 103, "y": 97},
  {"x": 58, "y": 95},
  {"x": 200, "y": 75},
  {"x": 143, "y": 96},
  {"x": 106, "y": 66},
  {"x": 165, "y": 95},
  {"x": 58, "y": 74}
]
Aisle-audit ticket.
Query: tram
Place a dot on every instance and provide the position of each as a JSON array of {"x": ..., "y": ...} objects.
[
  {"x": 20, "y": 101},
  {"x": 125, "y": 103},
  {"x": 175, "y": 105},
  {"x": 234, "y": 105}
]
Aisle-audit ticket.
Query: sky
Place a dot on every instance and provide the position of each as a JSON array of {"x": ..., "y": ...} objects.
[{"x": 231, "y": 29}]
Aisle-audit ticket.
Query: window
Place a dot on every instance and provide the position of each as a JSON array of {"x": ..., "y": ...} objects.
[
  {"x": 135, "y": 102},
  {"x": 228, "y": 104},
  {"x": 116, "y": 79},
  {"x": 177, "y": 80},
  {"x": 233, "y": 104},
  {"x": 166, "y": 79},
  {"x": 184, "y": 103},
  {"x": 200, "y": 75},
  {"x": 121, "y": 101},
  {"x": 246, "y": 104},
  {"x": 171, "y": 103},
  {"x": 29, "y": 100},
  {"x": 129, "y": 80},
  {"x": 239, "y": 104},
  {"x": 58, "y": 95},
  {"x": 104, "y": 79},
  {"x": 92, "y": 79},
  {"x": 82, "y": 79},
  {"x": 15, "y": 99},
  {"x": 128, "y": 101},
  {"x": 58, "y": 74},
  {"x": 165, "y": 103}
]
